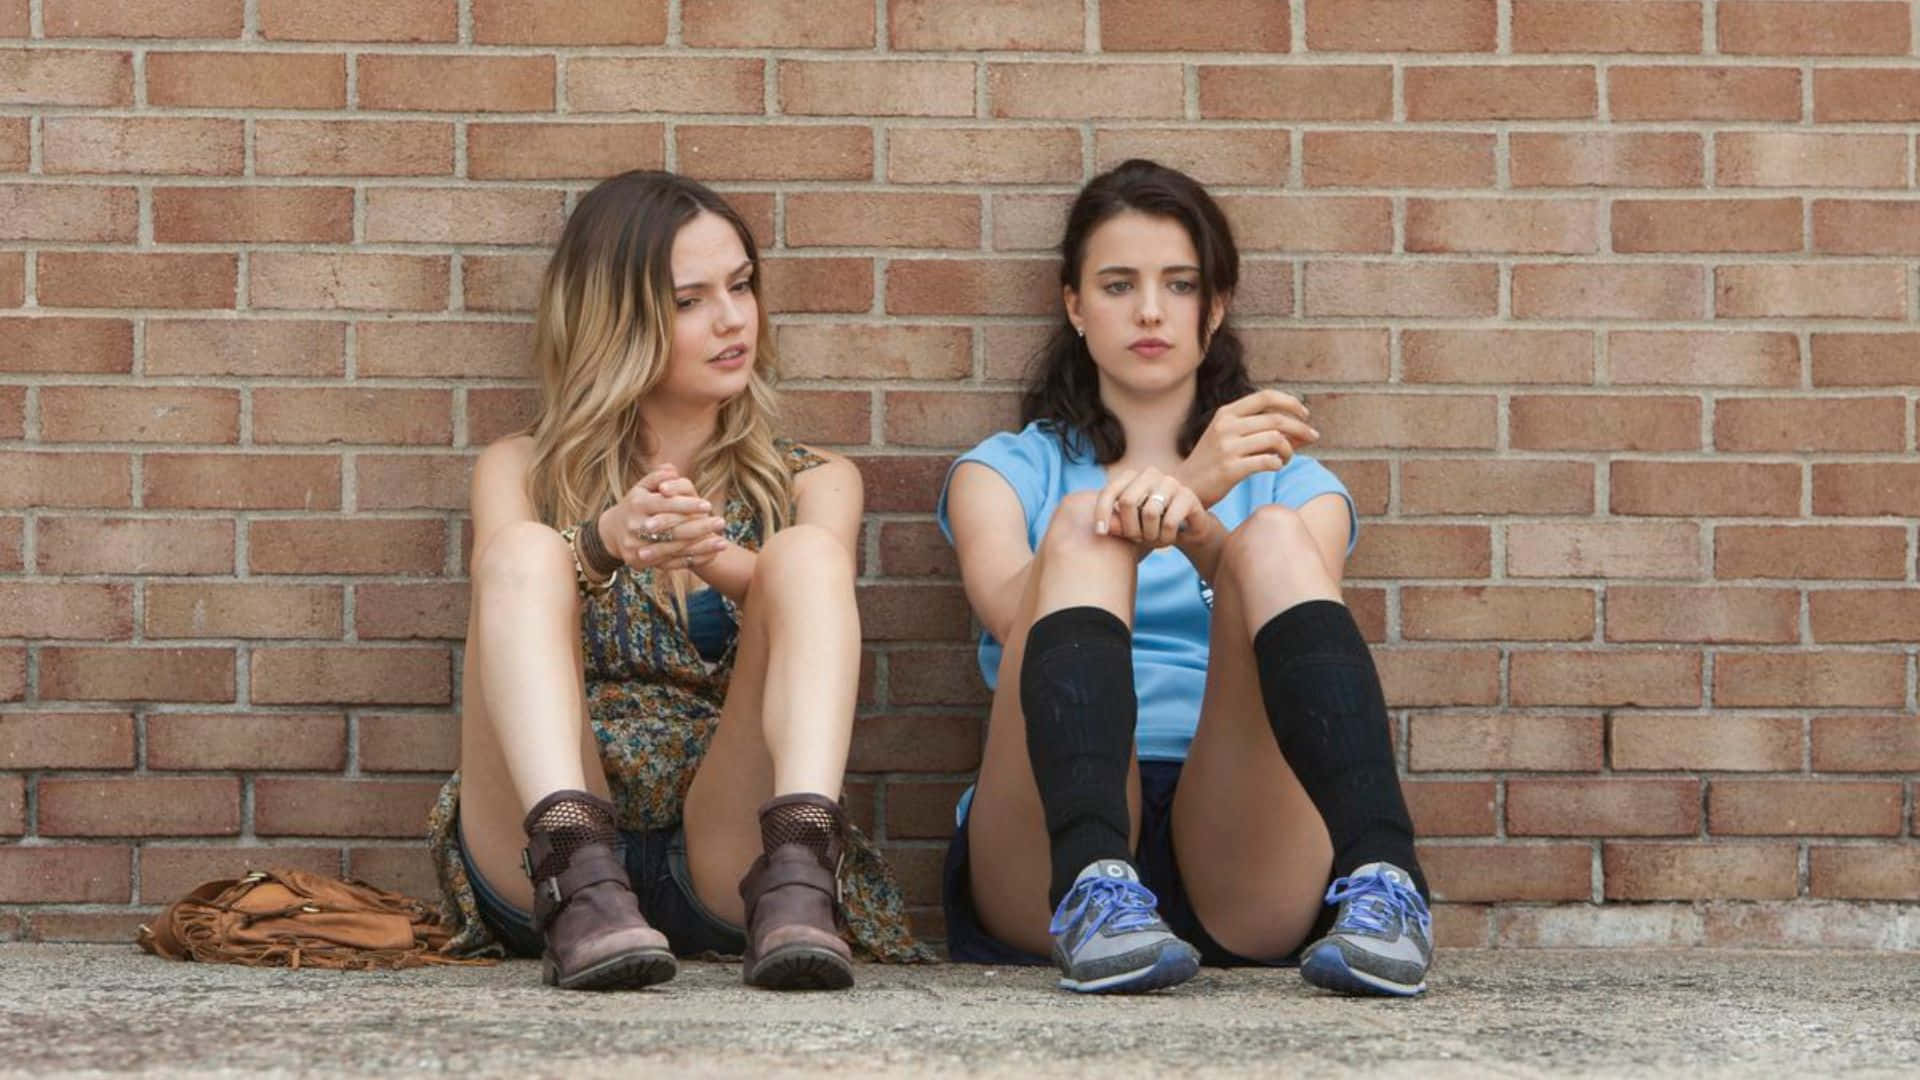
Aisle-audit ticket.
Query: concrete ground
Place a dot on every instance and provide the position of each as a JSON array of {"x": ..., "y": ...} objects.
[{"x": 71, "y": 1009}]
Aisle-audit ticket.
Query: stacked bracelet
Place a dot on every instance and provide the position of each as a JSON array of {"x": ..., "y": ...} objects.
[
  {"x": 590, "y": 583},
  {"x": 593, "y": 550}
]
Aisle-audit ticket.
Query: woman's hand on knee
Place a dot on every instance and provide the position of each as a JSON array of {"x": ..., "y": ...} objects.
[
  {"x": 1146, "y": 506},
  {"x": 663, "y": 522}
]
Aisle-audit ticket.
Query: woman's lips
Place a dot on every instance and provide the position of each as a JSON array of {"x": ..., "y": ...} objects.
[
  {"x": 1150, "y": 347},
  {"x": 731, "y": 358}
]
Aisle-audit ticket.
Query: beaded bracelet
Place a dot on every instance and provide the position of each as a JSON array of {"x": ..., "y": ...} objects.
[
  {"x": 588, "y": 586},
  {"x": 594, "y": 549}
]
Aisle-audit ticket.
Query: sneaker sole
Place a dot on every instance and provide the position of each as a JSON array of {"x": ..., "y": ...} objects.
[
  {"x": 800, "y": 967},
  {"x": 628, "y": 971},
  {"x": 1171, "y": 968},
  {"x": 1327, "y": 968}
]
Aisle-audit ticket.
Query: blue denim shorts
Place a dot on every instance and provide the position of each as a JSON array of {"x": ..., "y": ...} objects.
[
  {"x": 657, "y": 869},
  {"x": 968, "y": 942}
]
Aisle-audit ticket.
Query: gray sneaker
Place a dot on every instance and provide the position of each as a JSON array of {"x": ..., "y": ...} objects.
[
  {"x": 1108, "y": 939},
  {"x": 1382, "y": 937}
]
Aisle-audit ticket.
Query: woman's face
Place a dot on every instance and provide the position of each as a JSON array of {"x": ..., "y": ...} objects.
[
  {"x": 716, "y": 317},
  {"x": 1138, "y": 303}
]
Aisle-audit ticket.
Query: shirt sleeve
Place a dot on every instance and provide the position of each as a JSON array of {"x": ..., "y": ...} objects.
[
  {"x": 1304, "y": 480},
  {"x": 1024, "y": 459}
]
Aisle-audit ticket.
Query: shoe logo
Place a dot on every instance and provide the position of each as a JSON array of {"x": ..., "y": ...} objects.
[{"x": 1115, "y": 870}]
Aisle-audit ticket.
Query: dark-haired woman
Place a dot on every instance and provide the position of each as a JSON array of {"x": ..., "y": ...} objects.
[{"x": 1188, "y": 758}]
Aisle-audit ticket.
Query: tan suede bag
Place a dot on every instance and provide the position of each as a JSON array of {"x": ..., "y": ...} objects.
[{"x": 290, "y": 918}]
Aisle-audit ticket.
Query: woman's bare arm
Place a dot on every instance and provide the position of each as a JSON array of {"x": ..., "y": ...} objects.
[{"x": 990, "y": 537}]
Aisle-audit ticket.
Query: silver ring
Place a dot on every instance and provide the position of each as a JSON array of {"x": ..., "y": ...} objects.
[
  {"x": 686, "y": 561},
  {"x": 1156, "y": 497},
  {"x": 660, "y": 537}
]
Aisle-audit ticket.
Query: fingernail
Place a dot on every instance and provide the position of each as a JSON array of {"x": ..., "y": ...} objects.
[
  {"x": 1100, "y": 527},
  {"x": 1313, "y": 433},
  {"x": 645, "y": 555},
  {"x": 653, "y": 525}
]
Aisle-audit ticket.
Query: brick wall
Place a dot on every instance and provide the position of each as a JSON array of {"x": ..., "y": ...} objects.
[{"x": 1608, "y": 311}]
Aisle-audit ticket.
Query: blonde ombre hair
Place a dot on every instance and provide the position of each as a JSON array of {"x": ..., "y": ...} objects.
[{"x": 602, "y": 334}]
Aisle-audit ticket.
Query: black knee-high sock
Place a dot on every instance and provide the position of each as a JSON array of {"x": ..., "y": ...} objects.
[
  {"x": 1329, "y": 715},
  {"x": 1076, "y": 688}
]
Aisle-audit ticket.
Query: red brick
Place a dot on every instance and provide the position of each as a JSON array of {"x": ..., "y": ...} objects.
[
  {"x": 1397, "y": 551},
  {"x": 1704, "y": 93},
  {"x": 1308, "y": 223},
  {"x": 72, "y": 610},
  {"x": 1719, "y": 615},
  {"x": 1553, "y": 226},
  {"x": 96, "y": 279},
  {"x": 47, "y": 874},
  {"x": 1587, "y": 26},
  {"x": 945, "y": 418},
  {"x": 904, "y": 483},
  {"x": 1867, "y": 489},
  {"x": 13, "y": 810},
  {"x": 64, "y": 479},
  {"x": 1199, "y": 25},
  {"x": 493, "y": 283},
  {"x": 406, "y": 868},
  {"x": 1891, "y": 615},
  {"x": 247, "y": 80},
  {"x": 139, "y": 414},
  {"x": 1865, "y": 873},
  {"x": 1545, "y": 871},
  {"x": 202, "y": 146},
  {"x": 1597, "y": 422},
  {"x": 143, "y": 18},
  {"x": 932, "y": 155},
  {"x": 363, "y": 676},
  {"x": 812, "y": 284},
  {"x": 1237, "y": 156},
  {"x": 74, "y": 673},
  {"x": 475, "y": 350},
  {"x": 363, "y": 148},
  {"x": 1401, "y": 25},
  {"x": 1296, "y": 92},
  {"x": 93, "y": 545},
  {"x": 1435, "y": 486},
  {"x": 457, "y": 216},
  {"x": 1724, "y": 871},
  {"x": 1714, "y": 488},
  {"x": 1397, "y": 159},
  {"x": 1417, "y": 677},
  {"x": 830, "y": 417},
  {"x": 1405, "y": 420},
  {"x": 1866, "y": 743},
  {"x": 1085, "y": 91},
  {"x": 1855, "y": 360},
  {"x": 987, "y": 25},
  {"x": 1605, "y": 159},
  {"x": 492, "y": 413},
  {"x": 922, "y": 810},
  {"x": 1450, "y": 807},
  {"x": 776, "y": 151},
  {"x": 409, "y": 742},
  {"x": 1367, "y": 480},
  {"x": 1866, "y": 95},
  {"x": 1809, "y": 424},
  {"x": 882, "y": 219},
  {"x": 1803, "y": 159},
  {"x": 253, "y": 215},
  {"x": 246, "y": 741},
  {"x": 1810, "y": 290},
  {"x": 1706, "y": 225},
  {"x": 413, "y": 481},
  {"x": 1479, "y": 613},
  {"x": 245, "y": 347},
  {"x": 936, "y": 675},
  {"x": 354, "y": 281},
  {"x": 1602, "y": 291},
  {"x": 140, "y": 806},
  {"x": 12, "y": 538},
  {"x": 1804, "y": 807},
  {"x": 347, "y": 546},
  {"x": 916, "y": 743},
  {"x": 570, "y": 22},
  {"x": 653, "y": 84},
  {"x": 69, "y": 212},
  {"x": 1609, "y": 677},
  {"x": 426, "y": 610},
  {"x": 1826, "y": 679},
  {"x": 755, "y": 24},
  {"x": 13, "y": 673},
  {"x": 242, "y": 481},
  {"x": 1866, "y": 227},
  {"x": 1809, "y": 551},
  {"x": 1276, "y": 354},
  {"x": 1610, "y": 807},
  {"x": 359, "y": 20},
  {"x": 1703, "y": 358},
  {"x": 286, "y": 806},
  {"x": 915, "y": 549},
  {"x": 65, "y": 77},
  {"x": 1532, "y": 92},
  {"x": 242, "y": 610},
  {"x": 340, "y": 415},
  {"x": 456, "y": 83},
  {"x": 1828, "y": 28},
  {"x": 972, "y": 286},
  {"x": 170, "y": 871},
  {"x": 823, "y": 351},
  {"x": 865, "y": 88},
  {"x": 1729, "y": 741},
  {"x": 1497, "y": 356},
  {"x": 1400, "y": 289},
  {"x": 66, "y": 740},
  {"x": 913, "y": 613},
  {"x": 14, "y": 142},
  {"x": 44, "y": 345}
]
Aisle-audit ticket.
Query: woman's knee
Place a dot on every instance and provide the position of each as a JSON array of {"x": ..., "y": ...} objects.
[
  {"x": 521, "y": 557},
  {"x": 1070, "y": 536},
  {"x": 802, "y": 556},
  {"x": 1273, "y": 541}
]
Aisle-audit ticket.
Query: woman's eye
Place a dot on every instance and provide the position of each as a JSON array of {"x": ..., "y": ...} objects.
[
  {"x": 1115, "y": 288},
  {"x": 744, "y": 286},
  {"x": 1181, "y": 288},
  {"x": 686, "y": 302}
]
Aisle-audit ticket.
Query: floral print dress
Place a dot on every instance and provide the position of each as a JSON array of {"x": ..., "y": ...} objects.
[{"x": 654, "y": 705}]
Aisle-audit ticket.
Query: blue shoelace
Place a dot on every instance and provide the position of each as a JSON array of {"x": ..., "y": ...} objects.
[
  {"x": 1128, "y": 905},
  {"x": 1380, "y": 904}
]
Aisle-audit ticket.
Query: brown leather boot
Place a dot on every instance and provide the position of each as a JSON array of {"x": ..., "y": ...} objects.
[
  {"x": 583, "y": 903},
  {"x": 791, "y": 893}
]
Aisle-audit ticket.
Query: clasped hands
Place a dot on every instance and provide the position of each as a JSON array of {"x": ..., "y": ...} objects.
[{"x": 663, "y": 522}]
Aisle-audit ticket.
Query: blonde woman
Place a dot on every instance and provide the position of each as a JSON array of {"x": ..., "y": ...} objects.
[{"x": 663, "y": 650}]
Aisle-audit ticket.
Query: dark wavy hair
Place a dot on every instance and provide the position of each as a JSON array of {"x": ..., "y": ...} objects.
[{"x": 1063, "y": 388}]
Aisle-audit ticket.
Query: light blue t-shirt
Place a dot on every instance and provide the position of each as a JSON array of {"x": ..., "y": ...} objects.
[{"x": 1171, "y": 623}]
